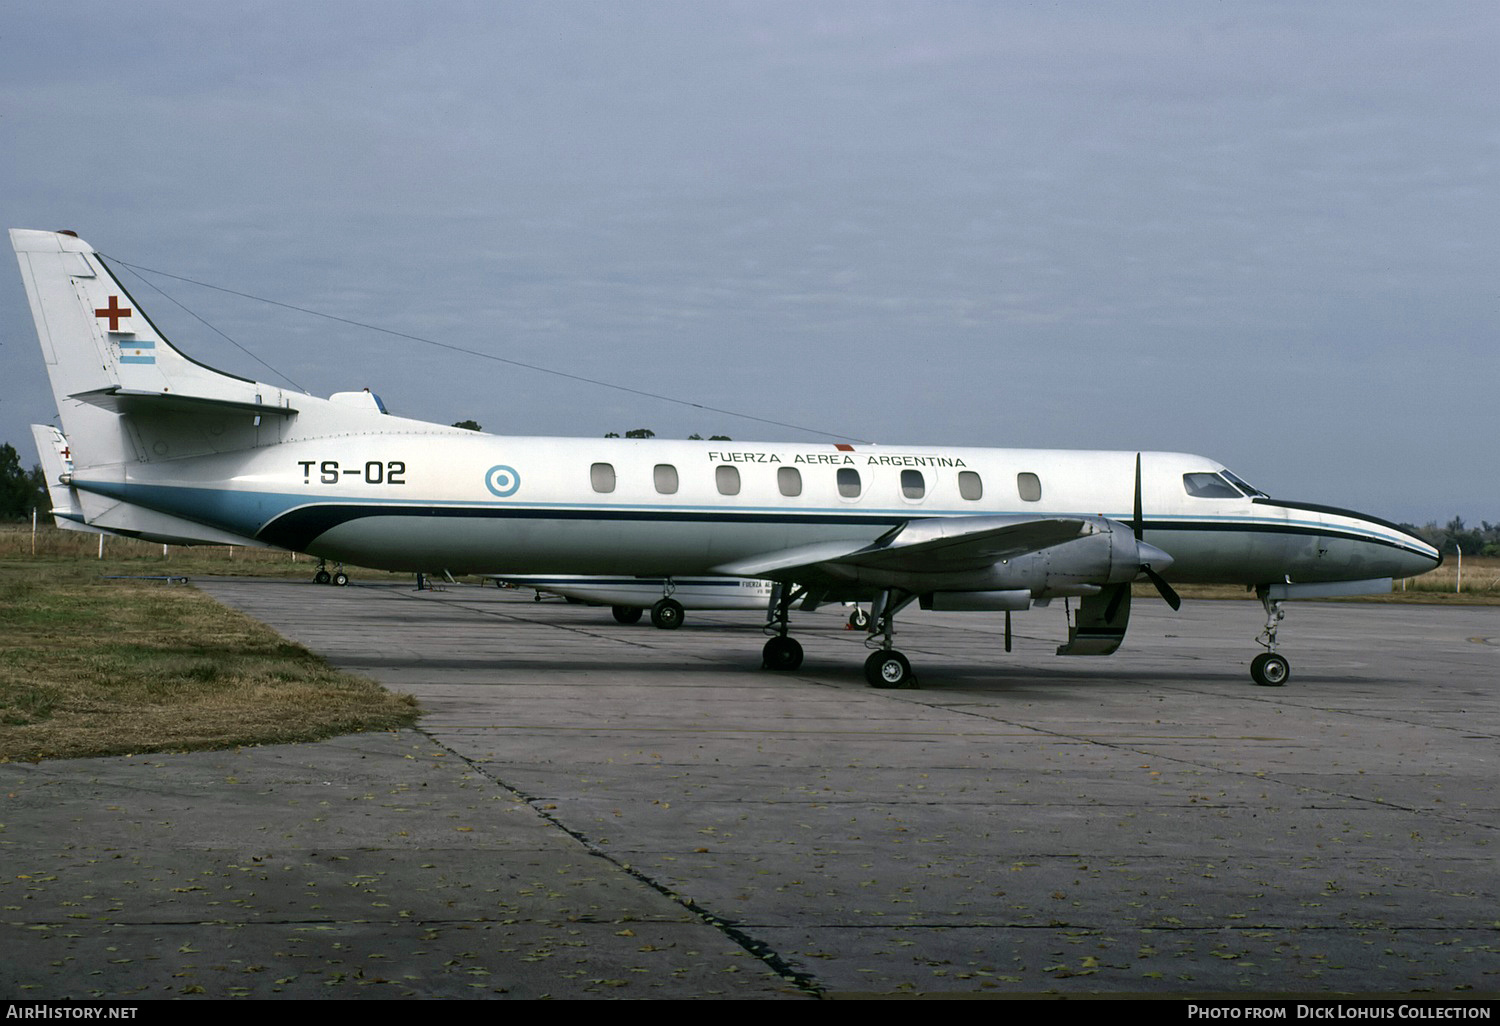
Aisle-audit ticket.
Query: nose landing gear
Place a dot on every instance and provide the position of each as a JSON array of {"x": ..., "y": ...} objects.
[{"x": 1270, "y": 669}]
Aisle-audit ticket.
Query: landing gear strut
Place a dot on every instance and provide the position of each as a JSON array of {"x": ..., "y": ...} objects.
[
  {"x": 667, "y": 614},
  {"x": 781, "y": 652},
  {"x": 887, "y": 668},
  {"x": 1270, "y": 669}
]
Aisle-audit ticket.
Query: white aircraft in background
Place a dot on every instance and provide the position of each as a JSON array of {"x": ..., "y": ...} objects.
[
  {"x": 56, "y": 459},
  {"x": 668, "y": 598},
  {"x": 165, "y": 447}
]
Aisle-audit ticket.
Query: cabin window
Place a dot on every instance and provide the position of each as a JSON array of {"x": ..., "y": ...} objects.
[
  {"x": 728, "y": 480},
  {"x": 665, "y": 476},
  {"x": 1209, "y": 486},
  {"x": 969, "y": 485},
  {"x": 912, "y": 484},
  {"x": 848, "y": 479},
  {"x": 602, "y": 475},
  {"x": 789, "y": 480},
  {"x": 1030, "y": 487}
]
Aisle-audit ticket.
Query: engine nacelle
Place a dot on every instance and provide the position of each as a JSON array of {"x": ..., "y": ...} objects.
[{"x": 1106, "y": 554}]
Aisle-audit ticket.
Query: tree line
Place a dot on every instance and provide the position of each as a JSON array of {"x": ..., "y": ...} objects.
[
  {"x": 648, "y": 433},
  {"x": 1454, "y": 536},
  {"x": 21, "y": 491}
]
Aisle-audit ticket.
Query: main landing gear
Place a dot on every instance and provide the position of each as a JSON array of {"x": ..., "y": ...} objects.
[
  {"x": 781, "y": 652},
  {"x": 1270, "y": 669},
  {"x": 338, "y": 577},
  {"x": 666, "y": 614},
  {"x": 885, "y": 668}
]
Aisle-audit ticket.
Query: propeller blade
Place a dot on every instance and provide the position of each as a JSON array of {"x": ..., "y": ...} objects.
[
  {"x": 1173, "y": 599},
  {"x": 1136, "y": 523},
  {"x": 1147, "y": 551}
]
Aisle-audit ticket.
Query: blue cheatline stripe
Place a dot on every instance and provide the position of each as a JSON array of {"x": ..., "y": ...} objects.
[
  {"x": 293, "y": 520},
  {"x": 137, "y": 359},
  {"x": 143, "y": 343}
]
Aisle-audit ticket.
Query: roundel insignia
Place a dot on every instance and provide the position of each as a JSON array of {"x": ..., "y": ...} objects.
[{"x": 502, "y": 481}]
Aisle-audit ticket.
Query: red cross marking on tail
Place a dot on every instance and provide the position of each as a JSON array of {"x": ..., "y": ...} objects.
[{"x": 114, "y": 311}]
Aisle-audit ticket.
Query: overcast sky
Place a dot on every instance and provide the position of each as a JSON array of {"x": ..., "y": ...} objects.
[{"x": 1263, "y": 232}]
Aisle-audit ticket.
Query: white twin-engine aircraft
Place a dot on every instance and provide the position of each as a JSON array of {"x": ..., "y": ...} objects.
[{"x": 165, "y": 448}]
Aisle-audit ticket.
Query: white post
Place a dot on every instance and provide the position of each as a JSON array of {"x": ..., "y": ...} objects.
[
  {"x": 33, "y": 530},
  {"x": 1460, "y": 587},
  {"x": 101, "y": 546}
]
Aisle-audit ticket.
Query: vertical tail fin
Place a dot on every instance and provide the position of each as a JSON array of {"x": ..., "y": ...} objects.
[
  {"x": 94, "y": 335},
  {"x": 56, "y": 458},
  {"x": 105, "y": 358}
]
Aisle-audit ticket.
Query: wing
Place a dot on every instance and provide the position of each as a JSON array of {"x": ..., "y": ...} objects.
[
  {"x": 984, "y": 562},
  {"x": 919, "y": 552}
]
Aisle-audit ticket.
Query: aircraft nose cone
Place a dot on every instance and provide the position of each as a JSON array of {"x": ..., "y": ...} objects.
[
  {"x": 1149, "y": 555},
  {"x": 1417, "y": 560},
  {"x": 1403, "y": 554}
]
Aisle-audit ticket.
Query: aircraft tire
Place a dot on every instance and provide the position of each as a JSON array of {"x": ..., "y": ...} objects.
[
  {"x": 1270, "y": 670},
  {"x": 781, "y": 653},
  {"x": 341, "y": 579},
  {"x": 322, "y": 577},
  {"x": 667, "y": 615},
  {"x": 888, "y": 670},
  {"x": 626, "y": 614},
  {"x": 859, "y": 619}
]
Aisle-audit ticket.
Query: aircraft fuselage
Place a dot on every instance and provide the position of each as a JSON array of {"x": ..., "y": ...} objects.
[{"x": 471, "y": 503}]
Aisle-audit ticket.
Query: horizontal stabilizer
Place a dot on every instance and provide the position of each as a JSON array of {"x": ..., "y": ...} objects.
[{"x": 125, "y": 400}]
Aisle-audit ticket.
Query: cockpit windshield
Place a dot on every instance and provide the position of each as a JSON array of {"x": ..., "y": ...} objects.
[
  {"x": 1219, "y": 486},
  {"x": 1250, "y": 490}
]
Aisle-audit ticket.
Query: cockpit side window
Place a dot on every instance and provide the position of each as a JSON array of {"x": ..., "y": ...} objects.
[{"x": 1209, "y": 486}]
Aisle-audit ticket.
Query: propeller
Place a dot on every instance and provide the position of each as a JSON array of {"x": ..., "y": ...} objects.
[{"x": 1148, "y": 553}]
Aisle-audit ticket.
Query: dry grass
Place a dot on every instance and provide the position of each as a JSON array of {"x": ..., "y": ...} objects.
[
  {"x": 96, "y": 666},
  {"x": 129, "y": 556}
]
